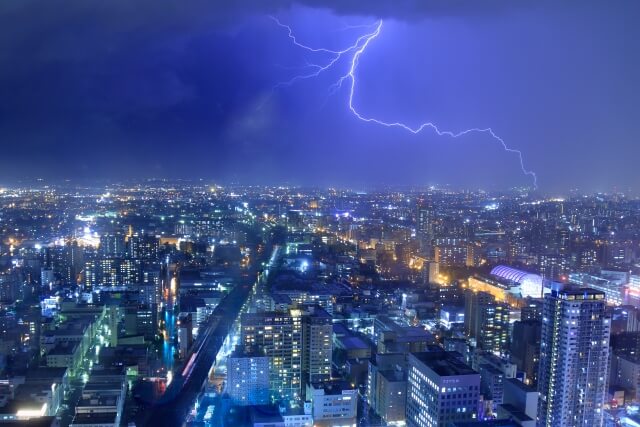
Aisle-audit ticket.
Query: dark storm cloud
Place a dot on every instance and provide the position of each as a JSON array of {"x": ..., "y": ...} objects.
[
  {"x": 147, "y": 87},
  {"x": 60, "y": 23},
  {"x": 35, "y": 32},
  {"x": 414, "y": 10}
]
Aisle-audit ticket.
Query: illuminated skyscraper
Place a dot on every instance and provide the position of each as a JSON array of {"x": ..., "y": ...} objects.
[
  {"x": 425, "y": 219},
  {"x": 317, "y": 345},
  {"x": 574, "y": 358},
  {"x": 112, "y": 272},
  {"x": 279, "y": 337},
  {"x": 112, "y": 245},
  {"x": 143, "y": 246},
  {"x": 487, "y": 321}
]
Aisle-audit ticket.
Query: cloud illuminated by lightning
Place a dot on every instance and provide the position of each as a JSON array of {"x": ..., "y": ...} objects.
[{"x": 356, "y": 50}]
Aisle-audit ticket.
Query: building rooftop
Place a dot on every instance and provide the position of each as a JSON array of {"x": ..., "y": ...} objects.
[
  {"x": 520, "y": 385},
  {"x": 512, "y": 274},
  {"x": 102, "y": 387},
  {"x": 443, "y": 363},
  {"x": 353, "y": 343},
  {"x": 490, "y": 423},
  {"x": 315, "y": 312},
  {"x": 242, "y": 352},
  {"x": 280, "y": 298},
  {"x": 191, "y": 303},
  {"x": 394, "y": 375},
  {"x": 265, "y": 414},
  {"x": 332, "y": 387},
  {"x": 45, "y": 374},
  {"x": 515, "y": 413},
  {"x": 101, "y": 400},
  {"x": 579, "y": 293},
  {"x": 91, "y": 419},
  {"x": 63, "y": 349}
]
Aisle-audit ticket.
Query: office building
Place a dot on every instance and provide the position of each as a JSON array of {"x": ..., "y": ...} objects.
[
  {"x": 334, "y": 403},
  {"x": 248, "y": 378},
  {"x": 491, "y": 385},
  {"x": 394, "y": 338},
  {"x": 387, "y": 386},
  {"x": 440, "y": 390}
]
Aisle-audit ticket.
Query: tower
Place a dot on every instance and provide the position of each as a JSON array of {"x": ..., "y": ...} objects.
[
  {"x": 574, "y": 358},
  {"x": 317, "y": 330},
  {"x": 425, "y": 219}
]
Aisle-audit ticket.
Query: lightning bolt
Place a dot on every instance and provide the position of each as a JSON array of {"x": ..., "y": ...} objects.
[
  {"x": 333, "y": 55},
  {"x": 357, "y": 49}
]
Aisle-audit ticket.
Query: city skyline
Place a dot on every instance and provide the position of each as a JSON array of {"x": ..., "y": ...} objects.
[
  {"x": 187, "y": 303},
  {"x": 320, "y": 213}
]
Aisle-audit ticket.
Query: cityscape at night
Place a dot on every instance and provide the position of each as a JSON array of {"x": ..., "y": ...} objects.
[{"x": 317, "y": 213}]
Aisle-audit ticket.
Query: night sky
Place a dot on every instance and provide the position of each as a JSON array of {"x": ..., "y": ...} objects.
[{"x": 124, "y": 89}]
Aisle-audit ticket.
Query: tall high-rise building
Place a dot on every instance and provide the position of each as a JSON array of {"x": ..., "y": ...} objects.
[
  {"x": 471, "y": 302},
  {"x": 185, "y": 333},
  {"x": 574, "y": 358},
  {"x": 140, "y": 319},
  {"x": 532, "y": 309},
  {"x": 454, "y": 253},
  {"x": 143, "y": 246},
  {"x": 112, "y": 245},
  {"x": 387, "y": 386},
  {"x": 107, "y": 271},
  {"x": 431, "y": 271},
  {"x": 279, "y": 337},
  {"x": 440, "y": 390},
  {"x": 47, "y": 277},
  {"x": 425, "y": 219},
  {"x": 129, "y": 271},
  {"x": 90, "y": 273},
  {"x": 525, "y": 348},
  {"x": 487, "y": 321},
  {"x": 112, "y": 272},
  {"x": 74, "y": 261},
  {"x": 317, "y": 332},
  {"x": 65, "y": 261},
  {"x": 151, "y": 286}
]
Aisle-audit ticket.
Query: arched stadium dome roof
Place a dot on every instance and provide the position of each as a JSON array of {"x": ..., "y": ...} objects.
[{"x": 509, "y": 273}]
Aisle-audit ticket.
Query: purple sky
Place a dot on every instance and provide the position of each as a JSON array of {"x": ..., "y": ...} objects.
[{"x": 128, "y": 88}]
